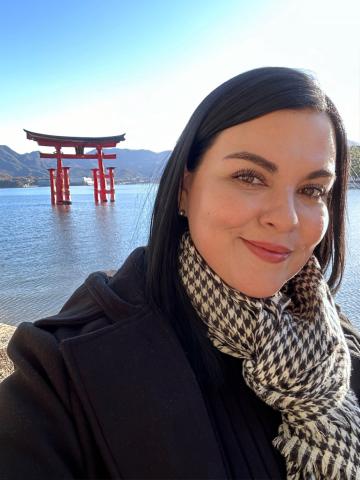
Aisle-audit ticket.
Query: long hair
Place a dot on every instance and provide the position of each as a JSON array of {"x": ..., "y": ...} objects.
[{"x": 242, "y": 98}]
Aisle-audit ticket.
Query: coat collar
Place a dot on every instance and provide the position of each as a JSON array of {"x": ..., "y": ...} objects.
[{"x": 143, "y": 401}]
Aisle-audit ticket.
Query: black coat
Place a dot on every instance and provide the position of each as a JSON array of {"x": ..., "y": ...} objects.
[{"x": 104, "y": 390}]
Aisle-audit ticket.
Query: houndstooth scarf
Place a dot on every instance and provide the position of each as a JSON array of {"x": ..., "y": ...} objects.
[{"x": 295, "y": 359}]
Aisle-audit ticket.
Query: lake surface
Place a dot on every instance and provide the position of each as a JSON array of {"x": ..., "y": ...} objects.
[{"x": 46, "y": 252}]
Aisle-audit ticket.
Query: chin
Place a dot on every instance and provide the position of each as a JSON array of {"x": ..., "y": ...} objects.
[
  {"x": 258, "y": 292},
  {"x": 262, "y": 285},
  {"x": 261, "y": 294}
]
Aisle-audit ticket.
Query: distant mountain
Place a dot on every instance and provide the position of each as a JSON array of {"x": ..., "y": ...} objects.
[
  {"x": 130, "y": 164},
  {"x": 19, "y": 165}
]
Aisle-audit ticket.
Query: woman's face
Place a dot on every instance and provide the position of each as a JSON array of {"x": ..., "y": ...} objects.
[{"x": 256, "y": 203}]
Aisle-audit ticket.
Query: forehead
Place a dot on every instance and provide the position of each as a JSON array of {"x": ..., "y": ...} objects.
[{"x": 290, "y": 136}]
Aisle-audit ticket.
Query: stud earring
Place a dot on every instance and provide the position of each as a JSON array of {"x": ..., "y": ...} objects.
[{"x": 182, "y": 212}]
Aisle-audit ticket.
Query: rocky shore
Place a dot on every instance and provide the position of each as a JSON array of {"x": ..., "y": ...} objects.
[{"x": 6, "y": 365}]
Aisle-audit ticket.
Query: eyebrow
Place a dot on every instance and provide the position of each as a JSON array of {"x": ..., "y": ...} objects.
[{"x": 273, "y": 168}]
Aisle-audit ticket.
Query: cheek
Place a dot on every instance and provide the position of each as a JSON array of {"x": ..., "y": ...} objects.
[
  {"x": 228, "y": 211},
  {"x": 316, "y": 225},
  {"x": 207, "y": 203}
]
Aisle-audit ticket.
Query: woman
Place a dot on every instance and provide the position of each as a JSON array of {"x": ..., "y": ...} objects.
[{"x": 217, "y": 351}]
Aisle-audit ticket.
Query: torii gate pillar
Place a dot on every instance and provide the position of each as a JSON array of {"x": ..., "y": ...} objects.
[
  {"x": 101, "y": 175},
  {"x": 62, "y": 181}
]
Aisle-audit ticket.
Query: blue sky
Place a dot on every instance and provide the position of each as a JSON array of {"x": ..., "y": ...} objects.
[{"x": 86, "y": 67}]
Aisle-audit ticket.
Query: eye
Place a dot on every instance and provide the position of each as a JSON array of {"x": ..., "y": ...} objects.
[
  {"x": 316, "y": 192},
  {"x": 250, "y": 177}
]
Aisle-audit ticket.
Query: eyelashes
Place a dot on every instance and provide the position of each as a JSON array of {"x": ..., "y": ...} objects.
[
  {"x": 253, "y": 178},
  {"x": 314, "y": 191},
  {"x": 250, "y": 176}
]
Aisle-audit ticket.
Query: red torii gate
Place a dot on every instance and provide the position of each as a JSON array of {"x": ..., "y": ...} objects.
[{"x": 60, "y": 182}]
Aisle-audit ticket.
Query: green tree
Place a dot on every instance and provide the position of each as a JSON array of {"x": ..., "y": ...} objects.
[{"x": 355, "y": 161}]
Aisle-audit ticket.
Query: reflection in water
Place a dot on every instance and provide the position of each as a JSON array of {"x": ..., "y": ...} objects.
[
  {"x": 62, "y": 229},
  {"x": 47, "y": 251}
]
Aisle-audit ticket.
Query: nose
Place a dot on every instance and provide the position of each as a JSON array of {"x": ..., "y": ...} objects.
[{"x": 280, "y": 212}]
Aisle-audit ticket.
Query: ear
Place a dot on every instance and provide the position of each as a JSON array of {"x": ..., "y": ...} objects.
[{"x": 184, "y": 190}]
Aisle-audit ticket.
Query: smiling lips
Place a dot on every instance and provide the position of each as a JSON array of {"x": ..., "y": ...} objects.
[{"x": 268, "y": 251}]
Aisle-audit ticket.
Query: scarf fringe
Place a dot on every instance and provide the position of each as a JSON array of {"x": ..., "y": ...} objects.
[{"x": 318, "y": 465}]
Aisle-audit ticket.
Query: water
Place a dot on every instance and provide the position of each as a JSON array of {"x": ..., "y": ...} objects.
[{"x": 46, "y": 252}]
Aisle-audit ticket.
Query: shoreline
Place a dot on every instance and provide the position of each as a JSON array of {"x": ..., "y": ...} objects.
[
  {"x": 6, "y": 365},
  {"x": 78, "y": 184}
]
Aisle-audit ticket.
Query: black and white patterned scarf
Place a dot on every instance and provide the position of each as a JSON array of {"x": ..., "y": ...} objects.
[{"x": 295, "y": 358}]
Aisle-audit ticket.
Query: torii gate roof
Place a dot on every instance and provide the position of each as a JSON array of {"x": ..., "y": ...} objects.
[{"x": 53, "y": 140}]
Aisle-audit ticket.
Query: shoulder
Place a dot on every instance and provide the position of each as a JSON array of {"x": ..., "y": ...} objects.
[
  {"x": 103, "y": 299},
  {"x": 352, "y": 336}
]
